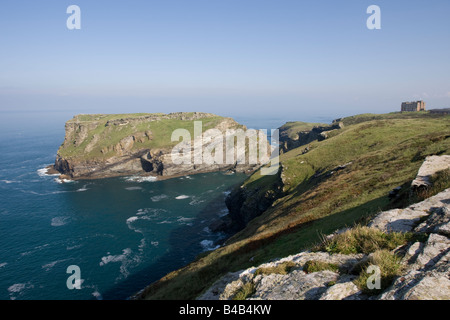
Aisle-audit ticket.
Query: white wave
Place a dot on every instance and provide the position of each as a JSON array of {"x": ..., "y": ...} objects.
[
  {"x": 165, "y": 222},
  {"x": 127, "y": 260},
  {"x": 207, "y": 229},
  {"x": 132, "y": 219},
  {"x": 185, "y": 221},
  {"x": 44, "y": 173},
  {"x": 182, "y": 197},
  {"x": 196, "y": 201},
  {"x": 77, "y": 246},
  {"x": 141, "y": 212},
  {"x": 133, "y": 188},
  {"x": 154, "y": 243},
  {"x": 208, "y": 245},
  {"x": 223, "y": 212},
  {"x": 226, "y": 193},
  {"x": 140, "y": 179},
  {"x": 3, "y": 264},
  {"x": 115, "y": 258},
  {"x": 97, "y": 295},
  {"x": 18, "y": 288},
  {"x": 38, "y": 248},
  {"x": 50, "y": 265},
  {"x": 59, "y": 221},
  {"x": 61, "y": 181},
  {"x": 82, "y": 189},
  {"x": 188, "y": 177},
  {"x": 8, "y": 181},
  {"x": 158, "y": 198}
]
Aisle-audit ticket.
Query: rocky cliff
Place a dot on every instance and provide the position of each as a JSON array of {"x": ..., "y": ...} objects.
[
  {"x": 98, "y": 146},
  {"x": 413, "y": 241},
  {"x": 296, "y": 134}
]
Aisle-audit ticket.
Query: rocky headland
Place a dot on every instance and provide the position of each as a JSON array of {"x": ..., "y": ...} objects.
[{"x": 100, "y": 146}]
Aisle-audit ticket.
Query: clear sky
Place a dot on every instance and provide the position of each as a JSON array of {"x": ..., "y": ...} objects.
[{"x": 268, "y": 58}]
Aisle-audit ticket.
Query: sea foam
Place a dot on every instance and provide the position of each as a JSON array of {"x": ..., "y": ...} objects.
[{"x": 140, "y": 179}]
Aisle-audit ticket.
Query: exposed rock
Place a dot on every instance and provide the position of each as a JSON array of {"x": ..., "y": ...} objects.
[
  {"x": 426, "y": 272},
  {"x": 427, "y": 277},
  {"x": 431, "y": 165},
  {"x": 345, "y": 289},
  {"x": 301, "y": 138},
  {"x": 438, "y": 222},
  {"x": 297, "y": 285},
  {"x": 86, "y": 153},
  {"x": 403, "y": 220}
]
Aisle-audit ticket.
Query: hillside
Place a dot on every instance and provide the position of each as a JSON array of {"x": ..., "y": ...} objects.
[{"x": 341, "y": 180}]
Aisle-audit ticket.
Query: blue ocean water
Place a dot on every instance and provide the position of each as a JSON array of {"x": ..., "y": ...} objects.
[{"x": 123, "y": 233}]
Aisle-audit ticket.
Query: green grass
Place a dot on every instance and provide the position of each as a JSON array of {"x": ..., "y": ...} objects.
[
  {"x": 362, "y": 239},
  {"x": 246, "y": 291},
  {"x": 390, "y": 267},
  {"x": 317, "y": 198},
  {"x": 439, "y": 181},
  {"x": 294, "y": 127},
  {"x": 102, "y": 138},
  {"x": 282, "y": 268},
  {"x": 316, "y": 266}
]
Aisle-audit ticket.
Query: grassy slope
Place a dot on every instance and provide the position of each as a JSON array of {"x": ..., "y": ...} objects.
[
  {"x": 292, "y": 128},
  {"x": 111, "y": 135},
  {"x": 385, "y": 153}
]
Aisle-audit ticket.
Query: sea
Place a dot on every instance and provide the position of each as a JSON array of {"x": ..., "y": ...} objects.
[{"x": 96, "y": 239}]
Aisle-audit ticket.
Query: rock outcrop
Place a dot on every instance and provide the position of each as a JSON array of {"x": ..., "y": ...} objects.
[
  {"x": 289, "y": 141},
  {"x": 426, "y": 265},
  {"x": 425, "y": 268},
  {"x": 431, "y": 165},
  {"x": 99, "y": 146}
]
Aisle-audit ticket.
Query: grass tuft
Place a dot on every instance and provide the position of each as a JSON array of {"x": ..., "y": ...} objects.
[
  {"x": 362, "y": 239},
  {"x": 282, "y": 268},
  {"x": 389, "y": 266},
  {"x": 246, "y": 291},
  {"x": 316, "y": 266}
]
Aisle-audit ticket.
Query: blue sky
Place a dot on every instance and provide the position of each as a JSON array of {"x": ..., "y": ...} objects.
[{"x": 293, "y": 59}]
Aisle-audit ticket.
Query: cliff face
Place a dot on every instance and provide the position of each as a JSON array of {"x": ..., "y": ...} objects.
[
  {"x": 98, "y": 146},
  {"x": 297, "y": 134}
]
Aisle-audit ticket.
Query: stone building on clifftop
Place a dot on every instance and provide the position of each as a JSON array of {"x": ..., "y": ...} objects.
[{"x": 413, "y": 106}]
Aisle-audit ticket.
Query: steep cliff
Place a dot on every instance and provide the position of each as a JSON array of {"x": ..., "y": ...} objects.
[{"x": 98, "y": 146}]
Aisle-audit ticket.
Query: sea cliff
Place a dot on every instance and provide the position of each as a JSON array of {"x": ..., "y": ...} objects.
[{"x": 100, "y": 146}]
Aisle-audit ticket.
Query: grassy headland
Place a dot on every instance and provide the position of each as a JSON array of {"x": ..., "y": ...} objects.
[{"x": 340, "y": 181}]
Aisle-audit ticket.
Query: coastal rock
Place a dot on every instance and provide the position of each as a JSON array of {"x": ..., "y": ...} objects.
[
  {"x": 99, "y": 146},
  {"x": 425, "y": 273},
  {"x": 431, "y": 165},
  {"x": 298, "y": 285},
  {"x": 404, "y": 220},
  {"x": 345, "y": 289}
]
